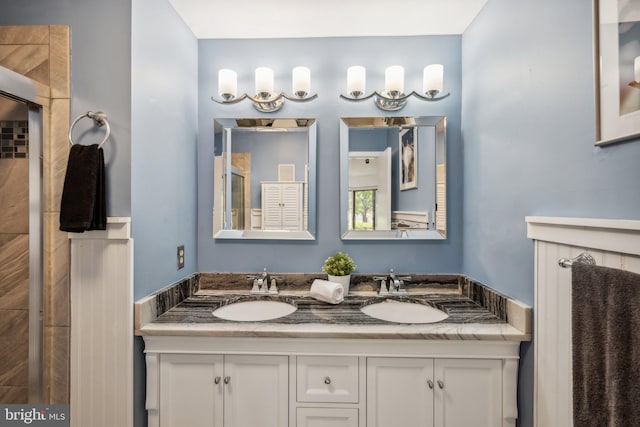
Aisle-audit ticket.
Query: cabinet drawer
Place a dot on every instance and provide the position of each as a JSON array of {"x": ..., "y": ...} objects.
[
  {"x": 327, "y": 379},
  {"x": 327, "y": 417}
]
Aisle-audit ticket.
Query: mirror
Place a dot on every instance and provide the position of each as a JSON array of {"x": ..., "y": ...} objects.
[
  {"x": 393, "y": 178},
  {"x": 264, "y": 179}
]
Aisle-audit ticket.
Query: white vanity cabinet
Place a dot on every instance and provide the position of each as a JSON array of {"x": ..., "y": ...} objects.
[
  {"x": 204, "y": 390},
  {"x": 200, "y": 381},
  {"x": 398, "y": 393},
  {"x": 282, "y": 206},
  {"x": 327, "y": 417},
  {"x": 329, "y": 391},
  {"x": 421, "y": 392}
]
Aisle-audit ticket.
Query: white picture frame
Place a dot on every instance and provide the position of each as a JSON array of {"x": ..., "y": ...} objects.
[
  {"x": 408, "y": 159},
  {"x": 617, "y": 71}
]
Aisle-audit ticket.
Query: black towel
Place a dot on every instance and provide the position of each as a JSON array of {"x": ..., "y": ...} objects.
[
  {"x": 606, "y": 347},
  {"x": 83, "y": 204}
]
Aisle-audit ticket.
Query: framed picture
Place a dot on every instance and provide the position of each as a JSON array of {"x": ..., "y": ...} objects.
[
  {"x": 617, "y": 69},
  {"x": 408, "y": 156}
]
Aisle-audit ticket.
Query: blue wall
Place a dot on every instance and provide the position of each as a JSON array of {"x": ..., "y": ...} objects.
[
  {"x": 528, "y": 134},
  {"x": 164, "y": 125},
  {"x": 328, "y": 78},
  {"x": 100, "y": 74},
  {"x": 164, "y": 114},
  {"x": 268, "y": 149}
]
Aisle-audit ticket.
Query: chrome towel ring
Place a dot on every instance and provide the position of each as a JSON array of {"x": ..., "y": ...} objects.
[{"x": 99, "y": 119}]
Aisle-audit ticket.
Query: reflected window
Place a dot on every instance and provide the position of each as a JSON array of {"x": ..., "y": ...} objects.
[{"x": 362, "y": 208}]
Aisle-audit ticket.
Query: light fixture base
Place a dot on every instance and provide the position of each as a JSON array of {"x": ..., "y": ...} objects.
[
  {"x": 390, "y": 104},
  {"x": 268, "y": 105},
  {"x": 266, "y": 102}
]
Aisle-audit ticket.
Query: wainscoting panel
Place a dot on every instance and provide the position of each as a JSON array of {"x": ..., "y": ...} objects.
[
  {"x": 612, "y": 243},
  {"x": 102, "y": 326}
]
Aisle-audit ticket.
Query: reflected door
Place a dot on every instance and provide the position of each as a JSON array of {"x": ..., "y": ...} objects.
[{"x": 237, "y": 201}]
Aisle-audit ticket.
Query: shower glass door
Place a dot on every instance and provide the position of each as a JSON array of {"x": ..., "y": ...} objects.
[
  {"x": 20, "y": 252},
  {"x": 237, "y": 201}
]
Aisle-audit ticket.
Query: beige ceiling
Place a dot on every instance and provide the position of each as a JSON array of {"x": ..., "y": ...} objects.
[{"x": 217, "y": 19}]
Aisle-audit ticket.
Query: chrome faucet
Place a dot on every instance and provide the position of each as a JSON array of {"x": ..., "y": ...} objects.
[
  {"x": 383, "y": 284},
  {"x": 261, "y": 283},
  {"x": 396, "y": 283}
]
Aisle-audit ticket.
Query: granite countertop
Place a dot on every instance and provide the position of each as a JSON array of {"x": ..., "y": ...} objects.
[{"x": 474, "y": 311}]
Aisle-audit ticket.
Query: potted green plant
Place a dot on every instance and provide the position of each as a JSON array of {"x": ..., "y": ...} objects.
[{"x": 339, "y": 267}]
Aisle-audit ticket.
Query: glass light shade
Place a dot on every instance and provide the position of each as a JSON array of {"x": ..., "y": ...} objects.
[
  {"x": 227, "y": 83},
  {"x": 264, "y": 80},
  {"x": 636, "y": 69},
  {"x": 433, "y": 78},
  {"x": 301, "y": 81},
  {"x": 394, "y": 79},
  {"x": 356, "y": 80}
]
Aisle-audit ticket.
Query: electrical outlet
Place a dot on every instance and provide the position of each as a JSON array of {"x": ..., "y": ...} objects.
[{"x": 180, "y": 255}]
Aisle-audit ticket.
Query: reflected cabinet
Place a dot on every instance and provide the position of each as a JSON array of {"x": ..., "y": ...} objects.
[{"x": 264, "y": 179}]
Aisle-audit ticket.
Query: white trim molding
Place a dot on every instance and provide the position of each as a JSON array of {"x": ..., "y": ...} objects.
[
  {"x": 612, "y": 243},
  {"x": 604, "y": 234},
  {"x": 101, "y": 326}
]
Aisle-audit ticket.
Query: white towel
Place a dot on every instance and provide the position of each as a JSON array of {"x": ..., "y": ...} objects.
[{"x": 324, "y": 290}]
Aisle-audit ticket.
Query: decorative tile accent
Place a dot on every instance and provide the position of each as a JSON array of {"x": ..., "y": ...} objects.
[{"x": 14, "y": 139}]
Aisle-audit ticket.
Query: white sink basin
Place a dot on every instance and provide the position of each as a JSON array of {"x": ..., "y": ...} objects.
[
  {"x": 254, "y": 311},
  {"x": 404, "y": 312}
]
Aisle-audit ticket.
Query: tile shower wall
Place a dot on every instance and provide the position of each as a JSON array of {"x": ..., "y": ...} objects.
[
  {"x": 14, "y": 276},
  {"x": 14, "y": 139},
  {"x": 42, "y": 53}
]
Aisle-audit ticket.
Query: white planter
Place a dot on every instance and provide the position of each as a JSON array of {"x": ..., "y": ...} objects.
[{"x": 343, "y": 280}]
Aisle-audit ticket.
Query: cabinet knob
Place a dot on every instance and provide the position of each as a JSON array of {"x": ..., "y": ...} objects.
[
  {"x": 216, "y": 380},
  {"x": 430, "y": 384},
  {"x": 227, "y": 380},
  {"x": 440, "y": 384},
  {"x": 327, "y": 380}
]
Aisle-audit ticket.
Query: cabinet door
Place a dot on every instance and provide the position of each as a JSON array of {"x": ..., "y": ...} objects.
[
  {"x": 256, "y": 391},
  {"x": 468, "y": 393},
  {"x": 272, "y": 206},
  {"x": 292, "y": 206},
  {"x": 189, "y": 395},
  {"x": 327, "y": 417},
  {"x": 399, "y": 392}
]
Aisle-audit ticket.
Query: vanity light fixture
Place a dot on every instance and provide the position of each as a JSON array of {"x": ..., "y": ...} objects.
[
  {"x": 636, "y": 73},
  {"x": 265, "y": 99},
  {"x": 394, "y": 98}
]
